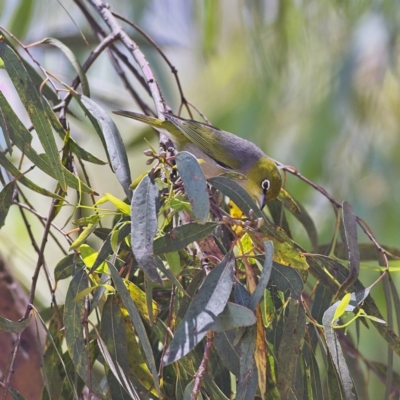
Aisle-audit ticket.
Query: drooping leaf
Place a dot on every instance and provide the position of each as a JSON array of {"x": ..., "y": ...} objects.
[
  {"x": 74, "y": 313},
  {"x": 206, "y": 305},
  {"x": 83, "y": 236},
  {"x": 73, "y": 146},
  {"x": 350, "y": 230},
  {"x": 144, "y": 227},
  {"x": 258, "y": 293},
  {"x": 289, "y": 346},
  {"x": 6, "y": 197},
  {"x": 118, "y": 204},
  {"x": 73, "y": 60},
  {"x": 180, "y": 237},
  {"x": 139, "y": 372},
  {"x": 336, "y": 354},
  {"x": 57, "y": 367},
  {"x": 65, "y": 267},
  {"x": 13, "y": 326},
  {"x": 31, "y": 100},
  {"x": 285, "y": 278},
  {"x": 248, "y": 378},
  {"x": 233, "y": 316},
  {"x": 195, "y": 185},
  {"x": 22, "y": 138},
  {"x": 114, "y": 145},
  {"x": 113, "y": 334},
  {"x": 136, "y": 322}
]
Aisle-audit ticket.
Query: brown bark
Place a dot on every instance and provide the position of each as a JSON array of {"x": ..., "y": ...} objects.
[{"x": 26, "y": 374}]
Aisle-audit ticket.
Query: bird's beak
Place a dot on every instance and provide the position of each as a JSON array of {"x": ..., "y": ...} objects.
[{"x": 262, "y": 201}]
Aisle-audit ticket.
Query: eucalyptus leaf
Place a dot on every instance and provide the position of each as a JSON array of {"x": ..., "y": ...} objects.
[
  {"x": 136, "y": 322},
  {"x": 203, "y": 310},
  {"x": 180, "y": 237},
  {"x": 113, "y": 143},
  {"x": 336, "y": 354},
  {"x": 31, "y": 100},
  {"x": 74, "y": 313},
  {"x": 144, "y": 227},
  {"x": 13, "y": 326},
  {"x": 195, "y": 185},
  {"x": 6, "y": 198},
  {"x": 233, "y": 316}
]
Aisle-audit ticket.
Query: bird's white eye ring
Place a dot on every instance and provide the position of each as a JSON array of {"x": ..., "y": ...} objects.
[{"x": 265, "y": 185}]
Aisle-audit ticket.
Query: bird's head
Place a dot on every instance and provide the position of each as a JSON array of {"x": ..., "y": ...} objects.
[{"x": 264, "y": 181}]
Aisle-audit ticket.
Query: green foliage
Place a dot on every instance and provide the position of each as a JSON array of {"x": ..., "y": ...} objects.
[{"x": 189, "y": 290}]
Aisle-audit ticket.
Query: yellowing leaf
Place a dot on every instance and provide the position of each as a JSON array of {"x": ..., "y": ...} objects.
[
  {"x": 260, "y": 353},
  {"x": 286, "y": 254},
  {"x": 341, "y": 308},
  {"x": 137, "y": 363},
  {"x": 89, "y": 256},
  {"x": 139, "y": 297},
  {"x": 118, "y": 204}
]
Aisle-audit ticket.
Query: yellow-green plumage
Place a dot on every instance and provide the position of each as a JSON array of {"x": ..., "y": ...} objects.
[{"x": 221, "y": 152}]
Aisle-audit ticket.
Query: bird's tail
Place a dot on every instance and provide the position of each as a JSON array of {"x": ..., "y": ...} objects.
[{"x": 157, "y": 123}]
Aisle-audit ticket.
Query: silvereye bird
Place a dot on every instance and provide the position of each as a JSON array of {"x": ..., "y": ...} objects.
[{"x": 221, "y": 152}]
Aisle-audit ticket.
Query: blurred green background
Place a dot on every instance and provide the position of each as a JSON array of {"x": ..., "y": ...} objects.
[{"x": 313, "y": 83}]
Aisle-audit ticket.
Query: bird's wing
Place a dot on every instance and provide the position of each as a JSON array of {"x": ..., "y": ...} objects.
[{"x": 204, "y": 136}]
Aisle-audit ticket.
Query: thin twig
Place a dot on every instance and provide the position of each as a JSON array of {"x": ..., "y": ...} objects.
[
  {"x": 199, "y": 377},
  {"x": 132, "y": 47}
]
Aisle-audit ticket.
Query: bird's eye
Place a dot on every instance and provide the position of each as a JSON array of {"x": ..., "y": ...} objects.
[{"x": 265, "y": 185}]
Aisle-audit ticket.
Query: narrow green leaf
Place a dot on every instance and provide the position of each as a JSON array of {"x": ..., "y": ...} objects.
[
  {"x": 315, "y": 379},
  {"x": 65, "y": 267},
  {"x": 206, "y": 305},
  {"x": 228, "y": 351},
  {"x": 305, "y": 219},
  {"x": 74, "y": 313},
  {"x": 173, "y": 261},
  {"x": 14, "y": 327},
  {"x": 22, "y": 138},
  {"x": 31, "y": 100},
  {"x": 285, "y": 278},
  {"x": 73, "y": 146},
  {"x": 113, "y": 334},
  {"x": 350, "y": 230},
  {"x": 195, "y": 185},
  {"x": 144, "y": 227},
  {"x": 180, "y": 237},
  {"x": 57, "y": 366},
  {"x": 248, "y": 379},
  {"x": 233, "y": 316},
  {"x": 9, "y": 167},
  {"x": 4, "y": 131},
  {"x": 83, "y": 236},
  {"x": 113, "y": 143},
  {"x": 290, "y": 343},
  {"x": 74, "y": 61},
  {"x": 170, "y": 274},
  {"x": 136, "y": 322},
  {"x": 264, "y": 277},
  {"x": 6, "y": 198}
]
